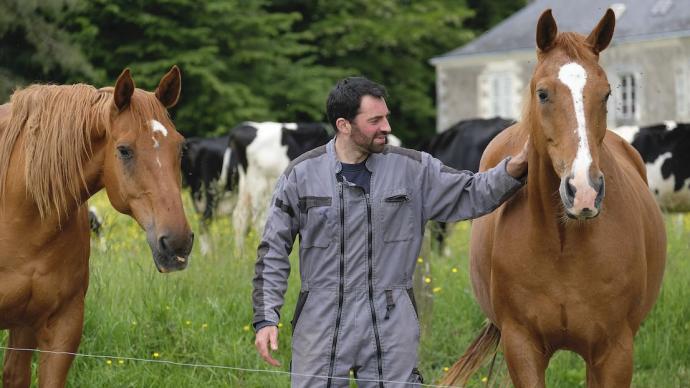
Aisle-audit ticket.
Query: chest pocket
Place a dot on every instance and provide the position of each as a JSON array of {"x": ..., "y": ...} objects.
[
  {"x": 317, "y": 221},
  {"x": 396, "y": 213}
]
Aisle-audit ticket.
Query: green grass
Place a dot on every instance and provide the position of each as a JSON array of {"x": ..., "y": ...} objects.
[{"x": 202, "y": 316}]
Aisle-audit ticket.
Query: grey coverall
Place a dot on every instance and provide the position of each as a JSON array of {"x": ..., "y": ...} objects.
[{"x": 358, "y": 251}]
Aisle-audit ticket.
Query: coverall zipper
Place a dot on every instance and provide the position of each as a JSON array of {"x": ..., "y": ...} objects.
[
  {"x": 341, "y": 284},
  {"x": 379, "y": 357}
]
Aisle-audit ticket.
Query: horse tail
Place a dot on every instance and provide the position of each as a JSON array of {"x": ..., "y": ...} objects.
[{"x": 482, "y": 347}]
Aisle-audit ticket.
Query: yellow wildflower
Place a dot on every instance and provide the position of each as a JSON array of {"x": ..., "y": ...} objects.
[
  {"x": 454, "y": 270},
  {"x": 109, "y": 362},
  {"x": 484, "y": 379},
  {"x": 156, "y": 355},
  {"x": 436, "y": 289},
  {"x": 205, "y": 325},
  {"x": 445, "y": 369},
  {"x": 120, "y": 362},
  {"x": 246, "y": 328},
  {"x": 427, "y": 280},
  {"x": 280, "y": 324},
  {"x": 420, "y": 260}
]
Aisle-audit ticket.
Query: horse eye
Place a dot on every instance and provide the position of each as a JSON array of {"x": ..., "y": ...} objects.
[
  {"x": 125, "y": 152},
  {"x": 543, "y": 95}
]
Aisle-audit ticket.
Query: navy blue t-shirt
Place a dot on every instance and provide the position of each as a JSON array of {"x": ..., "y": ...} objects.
[{"x": 357, "y": 174}]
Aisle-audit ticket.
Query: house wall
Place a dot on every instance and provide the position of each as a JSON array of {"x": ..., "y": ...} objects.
[{"x": 661, "y": 68}]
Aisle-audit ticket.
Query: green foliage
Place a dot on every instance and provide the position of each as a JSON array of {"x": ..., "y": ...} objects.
[
  {"x": 490, "y": 13},
  {"x": 34, "y": 46},
  {"x": 391, "y": 42},
  {"x": 245, "y": 60},
  {"x": 239, "y": 61}
]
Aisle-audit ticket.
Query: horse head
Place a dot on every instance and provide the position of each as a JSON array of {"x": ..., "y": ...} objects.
[
  {"x": 142, "y": 167},
  {"x": 567, "y": 110}
]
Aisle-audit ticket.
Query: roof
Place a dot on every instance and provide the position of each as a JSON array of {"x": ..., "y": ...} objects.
[{"x": 637, "y": 20}]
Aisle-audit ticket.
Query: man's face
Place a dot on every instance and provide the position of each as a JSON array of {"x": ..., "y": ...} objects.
[{"x": 370, "y": 127}]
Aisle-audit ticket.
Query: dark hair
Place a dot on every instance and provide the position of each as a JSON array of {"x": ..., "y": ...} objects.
[{"x": 345, "y": 97}]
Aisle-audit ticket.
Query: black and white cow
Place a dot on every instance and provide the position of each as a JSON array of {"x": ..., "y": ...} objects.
[
  {"x": 461, "y": 147},
  {"x": 263, "y": 151},
  {"x": 95, "y": 221},
  {"x": 665, "y": 149},
  {"x": 206, "y": 169}
]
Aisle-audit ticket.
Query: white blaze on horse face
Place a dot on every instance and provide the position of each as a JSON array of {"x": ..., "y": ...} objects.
[
  {"x": 574, "y": 77},
  {"x": 156, "y": 126}
]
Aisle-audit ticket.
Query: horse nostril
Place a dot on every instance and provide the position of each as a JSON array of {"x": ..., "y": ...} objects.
[
  {"x": 601, "y": 190},
  {"x": 570, "y": 189},
  {"x": 163, "y": 244}
]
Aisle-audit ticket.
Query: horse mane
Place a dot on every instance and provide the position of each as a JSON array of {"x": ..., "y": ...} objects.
[
  {"x": 574, "y": 45},
  {"x": 56, "y": 122}
]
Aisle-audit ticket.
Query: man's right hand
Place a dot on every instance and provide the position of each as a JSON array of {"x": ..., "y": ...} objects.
[{"x": 265, "y": 337}]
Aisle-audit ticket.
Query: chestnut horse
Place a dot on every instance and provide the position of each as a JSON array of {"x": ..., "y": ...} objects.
[
  {"x": 561, "y": 265},
  {"x": 58, "y": 146}
]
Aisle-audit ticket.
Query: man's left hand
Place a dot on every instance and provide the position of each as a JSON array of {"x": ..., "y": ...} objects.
[{"x": 517, "y": 165}]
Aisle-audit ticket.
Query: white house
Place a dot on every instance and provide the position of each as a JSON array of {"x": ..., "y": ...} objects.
[{"x": 647, "y": 63}]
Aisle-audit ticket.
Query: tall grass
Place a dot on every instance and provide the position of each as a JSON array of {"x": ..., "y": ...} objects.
[{"x": 202, "y": 316}]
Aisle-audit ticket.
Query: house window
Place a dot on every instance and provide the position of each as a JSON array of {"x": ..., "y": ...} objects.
[
  {"x": 498, "y": 91},
  {"x": 501, "y": 95},
  {"x": 626, "y": 111}
]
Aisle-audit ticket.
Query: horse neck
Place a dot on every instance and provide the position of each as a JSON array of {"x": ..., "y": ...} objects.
[
  {"x": 542, "y": 188},
  {"x": 93, "y": 168}
]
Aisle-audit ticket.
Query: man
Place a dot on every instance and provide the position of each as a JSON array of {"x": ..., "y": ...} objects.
[{"x": 360, "y": 207}]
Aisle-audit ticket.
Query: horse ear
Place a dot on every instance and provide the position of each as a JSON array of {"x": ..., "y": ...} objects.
[
  {"x": 124, "y": 88},
  {"x": 546, "y": 31},
  {"x": 601, "y": 35},
  {"x": 168, "y": 90}
]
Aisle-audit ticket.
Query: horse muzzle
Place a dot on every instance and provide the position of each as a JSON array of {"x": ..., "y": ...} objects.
[
  {"x": 170, "y": 252},
  {"x": 582, "y": 201}
]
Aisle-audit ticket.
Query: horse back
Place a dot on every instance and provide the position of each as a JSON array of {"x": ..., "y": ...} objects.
[
  {"x": 625, "y": 154},
  {"x": 509, "y": 142}
]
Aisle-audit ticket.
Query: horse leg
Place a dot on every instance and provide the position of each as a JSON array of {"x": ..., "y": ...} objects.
[
  {"x": 526, "y": 360},
  {"x": 60, "y": 334},
  {"x": 613, "y": 365},
  {"x": 17, "y": 368}
]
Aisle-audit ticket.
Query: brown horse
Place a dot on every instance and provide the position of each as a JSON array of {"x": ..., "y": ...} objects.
[
  {"x": 58, "y": 146},
  {"x": 546, "y": 272}
]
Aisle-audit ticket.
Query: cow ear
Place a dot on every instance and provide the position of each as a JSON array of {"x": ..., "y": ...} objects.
[
  {"x": 546, "y": 31},
  {"x": 168, "y": 90},
  {"x": 124, "y": 88},
  {"x": 601, "y": 35}
]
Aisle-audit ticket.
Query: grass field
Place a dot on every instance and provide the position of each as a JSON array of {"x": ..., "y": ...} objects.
[{"x": 201, "y": 317}]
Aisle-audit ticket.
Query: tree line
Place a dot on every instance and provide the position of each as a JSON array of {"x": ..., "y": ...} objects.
[{"x": 256, "y": 60}]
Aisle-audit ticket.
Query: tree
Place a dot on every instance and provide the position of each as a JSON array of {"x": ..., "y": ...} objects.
[
  {"x": 388, "y": 41},
  {"x": 490, "y": 13},
  {"x": 239, "y": 62},
  {"x": 34, "y": 46}
]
